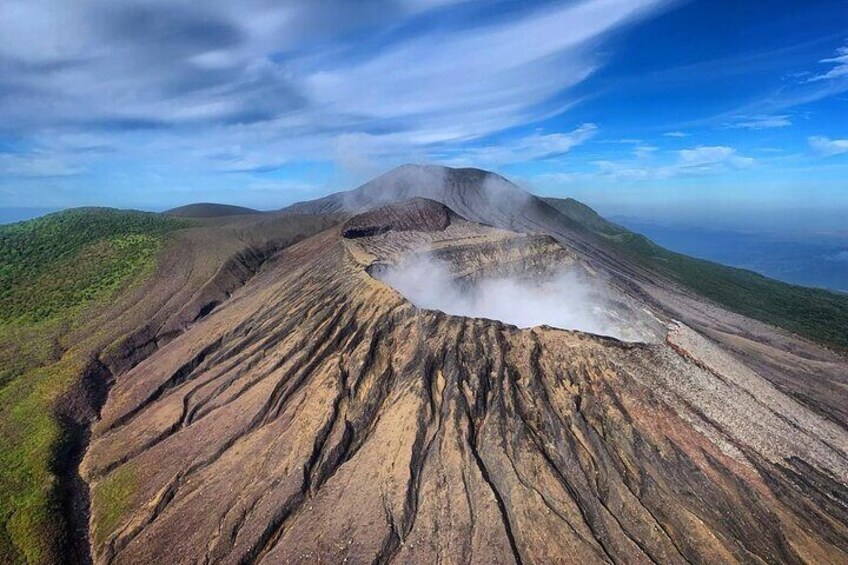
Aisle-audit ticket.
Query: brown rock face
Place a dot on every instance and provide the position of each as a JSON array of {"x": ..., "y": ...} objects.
[
  {"x": 318, "y": 416},
  {"x": 416, "y": 214}
]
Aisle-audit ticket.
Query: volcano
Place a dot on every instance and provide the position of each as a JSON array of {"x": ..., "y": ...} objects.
[{"x": 374, "y": 390}]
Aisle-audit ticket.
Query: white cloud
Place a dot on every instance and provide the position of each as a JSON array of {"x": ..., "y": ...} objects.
[
  {"x": 839, "y": 66},
  {"x": 808, "y": 87},
  {"x": 702, "y": 156},
  {"x": 828, "y": 147},
  {"x": 676, "y": 134},
  {"x": 623, "y": 170},
  {"x": 528, "y": 148},
  {"x": 282, "y": 187},
  {"x": 36, "y": 165},
  {"x": 487, "y": 78},
  {"x": 364, "y": 155},
  {"x": 644, "y": 151},
  {"x": 760, "y": 122},
  {"x": 253, "y": 76},
  {"x": 695, "y": 161}
]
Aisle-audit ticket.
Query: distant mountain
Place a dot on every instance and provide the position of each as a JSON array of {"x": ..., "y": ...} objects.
[
  {"x": 209, "y": 210},
  {"x": 586, "y": 216},
  {"x": 478, "y": 195}
]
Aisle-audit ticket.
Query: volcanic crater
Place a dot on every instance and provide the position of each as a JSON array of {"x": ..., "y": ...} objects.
[{"x": 468, "y": 269}]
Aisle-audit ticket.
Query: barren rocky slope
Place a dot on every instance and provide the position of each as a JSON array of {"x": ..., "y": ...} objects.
[
  {"x": 45, "y": 518},
  {"x": 316, "y": 415}
]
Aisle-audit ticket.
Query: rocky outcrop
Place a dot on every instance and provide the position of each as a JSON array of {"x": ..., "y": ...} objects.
[{"x": 416, "y": 214}]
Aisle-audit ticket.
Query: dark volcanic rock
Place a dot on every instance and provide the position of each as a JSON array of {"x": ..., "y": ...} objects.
[
  {"x": 281, "y": 405},
  {"x": 415, "y": 214}
]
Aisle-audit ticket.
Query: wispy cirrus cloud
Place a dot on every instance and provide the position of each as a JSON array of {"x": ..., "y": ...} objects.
[
  {"x": 37, "y": 164},
  {"x": 252, "y": 77},
  {"x": 838, "y": 64},
  {"x": 486, "y": 79},
  {"x": 695, "y": 161},
  {"x": 710, "y": 156},
  {"x": 799, "y": 89},
  {"x": 642, "y": 151},
  {"x": 827, "y": 147},
  {"x": 799, "y": 83},
  {"x": 537, "y": 146},
  {"x": 760, "y": 122}
]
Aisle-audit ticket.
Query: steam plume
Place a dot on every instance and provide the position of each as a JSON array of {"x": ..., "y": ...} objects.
[{"x": 567, "y": 301}]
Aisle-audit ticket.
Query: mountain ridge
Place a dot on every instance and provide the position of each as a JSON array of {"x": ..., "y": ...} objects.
[
  {"x": 794, "y": 307},
  {"x": 209, "y": 210}
]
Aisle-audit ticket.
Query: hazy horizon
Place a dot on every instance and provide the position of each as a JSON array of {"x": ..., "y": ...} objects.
[
  {"x": 763, "y": 217},
  {"x": 806, "y": 247}
]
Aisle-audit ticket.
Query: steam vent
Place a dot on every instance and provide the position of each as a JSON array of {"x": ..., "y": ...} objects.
[{"x": 324, "y": 414}]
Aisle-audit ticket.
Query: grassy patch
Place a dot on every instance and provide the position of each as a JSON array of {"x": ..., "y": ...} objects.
[
  {"x": 54, "y": 272},
  {"x": 29, "y": 435},
  {"x": 816, "y": 314},
  {"x": 112, "y": 501}
]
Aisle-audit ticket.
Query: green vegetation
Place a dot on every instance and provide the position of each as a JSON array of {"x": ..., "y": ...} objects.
[
  {"x": 114, "y": 495},
  {"x": 55, "y": 272},
  {"x": 63, "y": 260},
  {"x": 816, "y": 314}
]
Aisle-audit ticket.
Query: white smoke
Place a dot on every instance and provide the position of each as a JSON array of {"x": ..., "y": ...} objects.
[
  {"x": 490, "y": 199},
  {"x": 568, "y": 300},
  {"x": 401, "y": 183}
]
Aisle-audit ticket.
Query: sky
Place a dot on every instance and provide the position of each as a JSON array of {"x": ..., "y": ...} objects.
[{"x": 691, "y": 110}]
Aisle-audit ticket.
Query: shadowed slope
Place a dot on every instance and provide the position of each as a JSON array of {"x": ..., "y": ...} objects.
[
  {"x": 416, "y": 214},
  {"x": 55, "y": 273}
]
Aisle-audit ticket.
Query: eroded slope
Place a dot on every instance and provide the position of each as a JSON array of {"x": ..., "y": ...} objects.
[
  {"x": 89, "y": 293},
  {"x": 317, "y": 416}
]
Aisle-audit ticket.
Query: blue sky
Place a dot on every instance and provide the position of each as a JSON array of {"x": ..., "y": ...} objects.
[{"x": 655, "y": 108}]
